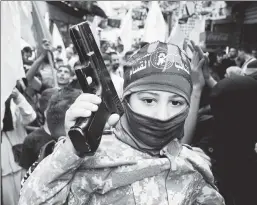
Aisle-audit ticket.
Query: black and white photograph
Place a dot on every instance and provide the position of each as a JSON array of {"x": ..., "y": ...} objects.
[{"x": 128, "y": 103}]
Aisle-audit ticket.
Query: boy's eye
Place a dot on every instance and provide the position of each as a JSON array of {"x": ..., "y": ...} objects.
[
  {"x": 176, "y": 103},
  {"x": 148, "y": 101}
]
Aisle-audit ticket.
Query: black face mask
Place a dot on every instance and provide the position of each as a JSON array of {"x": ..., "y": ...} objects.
[{"x": 153, "y": 132}]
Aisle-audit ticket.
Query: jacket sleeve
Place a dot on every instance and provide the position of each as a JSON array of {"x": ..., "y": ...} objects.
[
  {"x": 27, "y": 113},
  {"x": 50, "y": 181},
  {"x": 208, "y": 195}
]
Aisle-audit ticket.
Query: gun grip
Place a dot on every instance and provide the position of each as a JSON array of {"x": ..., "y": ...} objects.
[
  {"x": 78, "y": 139},
  {"x": 86, "y": 139}
]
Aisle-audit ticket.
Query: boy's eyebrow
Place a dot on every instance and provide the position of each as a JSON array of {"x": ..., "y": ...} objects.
[
  {"x": 148, "y": 92},
  {"x": 176, "y": 96}
]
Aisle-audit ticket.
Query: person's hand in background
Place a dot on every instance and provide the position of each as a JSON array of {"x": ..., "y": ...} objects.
[
  {"x": 16, "y": 96},
  {"x": 197, "y": 62}
]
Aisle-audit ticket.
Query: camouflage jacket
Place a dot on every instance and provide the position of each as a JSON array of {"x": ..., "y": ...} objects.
[{"x": 119, "y": 174}]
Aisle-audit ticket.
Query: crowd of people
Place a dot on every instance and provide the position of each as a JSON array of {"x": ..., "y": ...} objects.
[{"x": 187, "y": 135}]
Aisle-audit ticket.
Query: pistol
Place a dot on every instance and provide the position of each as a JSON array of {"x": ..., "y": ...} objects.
[{"x": 86, "y": 134}]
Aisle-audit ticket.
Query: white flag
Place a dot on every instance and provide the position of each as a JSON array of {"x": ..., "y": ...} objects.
[
  {"x": 126, "y": 34},
  {"x": 11, "y": 61},
  {"x": 177, "y": 36},
  {"x": 57, "y": 41},
  {"x": 155, "y": 26}
]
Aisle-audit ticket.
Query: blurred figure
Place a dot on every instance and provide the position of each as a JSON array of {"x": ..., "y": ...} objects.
[
  {"x": 222, "y": 64},
  {"x": 116, "y": 67},
  {"x": 117, "y": 80},
  {"x": 120, "y": 48},
  {"x": 69, "y": 53},
  {"x": 233, "y": 104},
  {"x": 26, "y": 53},
  {"x": 71, "y": 57},
  {"x": 245, "y": 55},
  {"x": 58, "y": 53},
  {"x": 104, "y": 45},
  {"x": 128, "y": 55},
  {"x": 254, "y": 53},
  {"x": 59, "y": 62},
  {"x": 18, "y": 114},
  {"x": 54, "y": 103},
  {"x": 64, "y": 76},
  {"x": 252, "y": 67},
  {"x": 115, "y": 60},
  {"x": 36, "y": 139},
  {"x": 239, "y": 62},
  {"x": 232, "y": 54},
  {"x": 233, "y": 71}
]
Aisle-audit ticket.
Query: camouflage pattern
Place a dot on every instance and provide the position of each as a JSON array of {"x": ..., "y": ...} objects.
[{"x": 121, "y": 175}]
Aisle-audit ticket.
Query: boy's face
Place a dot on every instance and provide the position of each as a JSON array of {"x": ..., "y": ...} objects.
[
  {"x": 160, "y": 105},
  {"x": 63, "y": 76}
]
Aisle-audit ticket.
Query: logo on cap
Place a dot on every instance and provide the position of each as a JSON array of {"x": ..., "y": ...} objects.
[{"x": 158, "y": 60}]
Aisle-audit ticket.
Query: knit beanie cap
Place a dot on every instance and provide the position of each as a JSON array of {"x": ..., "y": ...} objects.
[{"x": 159, "y": 66}]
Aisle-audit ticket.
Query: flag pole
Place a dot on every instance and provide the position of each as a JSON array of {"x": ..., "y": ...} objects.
[{"x": 46, "y": 35}]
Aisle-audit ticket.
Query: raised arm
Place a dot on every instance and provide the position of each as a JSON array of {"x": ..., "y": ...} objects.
[
  {"x": 197, "y": 63},
  {"x": 36, "y": 65},
  {"x": 27, "y": 113}
]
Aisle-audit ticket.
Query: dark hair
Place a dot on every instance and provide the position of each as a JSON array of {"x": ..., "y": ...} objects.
[
  {"x": 27, "y": 49},
  {"x": 245, "y": 48},
  {"x": 120, "y": 46},
  {"x": 113, "y": 53},
  {"x": 77, "y": 64},
  {"x": 142, "y": 44},
  {"x": 46, "y": 58},
  {"x": 221, "y": 53},
  {"x": 107, "y": 57},
  {"x": 129, "y": 53},
  {"x": 45, "y": 97},
  {"x": 7, "y": 120},
  {"x": 58, "y": 105},
  {"x": 59, "y": 60},
  {"x": 103, "y": 42}
]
